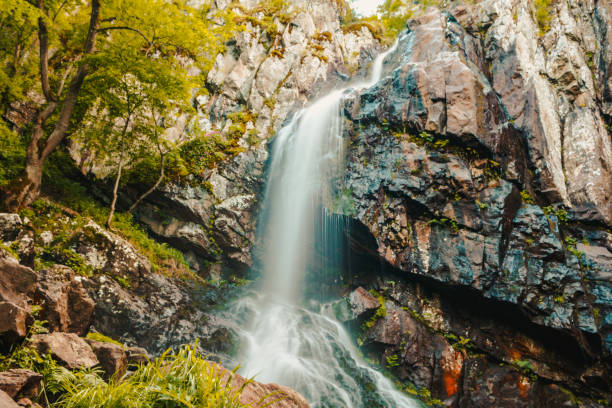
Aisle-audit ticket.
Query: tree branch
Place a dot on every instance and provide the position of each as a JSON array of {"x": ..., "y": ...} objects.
[
  {"x": 157, "y": 183},
  {"x": 128, "y": 29},
  {"x": 43, "y": 41}
]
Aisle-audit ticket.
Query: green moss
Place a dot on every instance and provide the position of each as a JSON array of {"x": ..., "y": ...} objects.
[
  {"x": 543, "y": 10},
  {"x": 102, "y": 338},
  {"x": 270, "y": 102},
  {"x": 424, "y": 395},
  {"x": 69, "y": 258},
  {"x": 380, "y": 312},
  {"x": 481, "y": 205},
  {"x": 447, "y": 222},
  {"x": 526, "y": 197},
  {"x": 561, "y": 214}
]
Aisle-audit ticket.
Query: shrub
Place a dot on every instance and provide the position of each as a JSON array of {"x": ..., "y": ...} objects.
[
  {"x": 542, "y": 14},
  {"x": 12, "y": 155},
  {"x": 184, "y": 379}
]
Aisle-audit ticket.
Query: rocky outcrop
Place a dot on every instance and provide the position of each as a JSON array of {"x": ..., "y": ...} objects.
[
  {"x": 6, "y": 401},
  {"x": 480, "y": 168},
  {"x": 112, "y": 358},
  {"x": 268, "y": 76},
  {"x": 17, "y": 285},
  {"x": 66, "y": 306},
  {"x": 67, "y": 348},
  {"x": 259, "y": 394},
  {"x": 18, "y": 381}
]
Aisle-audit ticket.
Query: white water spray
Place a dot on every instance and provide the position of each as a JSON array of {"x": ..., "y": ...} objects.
[{"x": 284, "y": 342}]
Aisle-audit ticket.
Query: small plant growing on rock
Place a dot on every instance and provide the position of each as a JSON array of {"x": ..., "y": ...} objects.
[
  {"x": 526, "y": 197},
  {"x": 392, "y": 361},
  {"x": 380, "y": 312},
  {"x": 561, "y": 214}
]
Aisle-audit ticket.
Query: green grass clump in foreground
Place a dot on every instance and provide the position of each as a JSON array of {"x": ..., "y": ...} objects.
[{"x": 184, "y": 380}]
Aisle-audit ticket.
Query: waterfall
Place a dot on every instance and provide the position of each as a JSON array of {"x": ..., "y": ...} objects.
[{"x": 285, "y": 339}]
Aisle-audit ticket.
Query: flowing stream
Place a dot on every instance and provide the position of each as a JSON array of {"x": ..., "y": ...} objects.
[{"x": 287, "y": 339}]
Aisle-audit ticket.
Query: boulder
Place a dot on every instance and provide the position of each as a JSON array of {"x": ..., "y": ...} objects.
[
  {"x": 67, "y": 348},
  {"x": 254, "y": 393},
  {"x": 112, "y": 358},
  {"x": 10, "y": 225},
  {"x": 66, "y": 305},
  {"x": 17, "y": 282},
  {"x": 359, "y": 304},
  {"x": 6, "y": 401},
  {"x": 22, "y": 382},
  {"x": 13, "y": 322},
  {"x": 136, "y": 355}
]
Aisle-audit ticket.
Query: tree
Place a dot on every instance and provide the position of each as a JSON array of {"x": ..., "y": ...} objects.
[
  {"x": 135, "y": 96},
  {"x": 85, "y": 41}
]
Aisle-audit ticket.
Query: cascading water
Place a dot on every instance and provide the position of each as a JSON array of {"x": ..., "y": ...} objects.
[{"x": 284, "y": 341}]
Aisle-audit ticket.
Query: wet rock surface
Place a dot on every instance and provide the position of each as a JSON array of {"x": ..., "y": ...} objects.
[
  {"x": 480, "y": 169},
  {"x": 257, "y": 394}
]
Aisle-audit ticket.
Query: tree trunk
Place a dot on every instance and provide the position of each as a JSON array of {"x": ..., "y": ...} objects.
[
  {"x": 157, "y": 183},
  {"x": 26, "y": 188},
  {"x": 109, "y": 220}
]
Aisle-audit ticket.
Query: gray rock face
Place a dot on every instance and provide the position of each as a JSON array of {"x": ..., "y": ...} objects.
[
  {"x": 216, "y": 227},
  {"x": 66, "y": 306},
  {"x": 481, "y": 164}
]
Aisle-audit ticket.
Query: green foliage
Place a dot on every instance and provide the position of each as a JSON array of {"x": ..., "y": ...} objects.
[
  {"x": 394, "y": 14},
  {"x": 380, "y": 312},
  {"x": 543, "y": 14},
  {"x": 12, "y": 155},
  {"x": 561, "y": 214},
  {"x": 265, "y": 15},
  {"x": 18, "y": 24},
  {"x": 526, "y": 197},
  {"x": 447, "y": 222},
  {"x": 68, "y": 257},
  {"x": 102, "y": 338},
  {"x": 184, "y": 380},
  {"x": 60, "y": 185},
  {"x": 570, "y": 244},
  {"x": 525, "y": 366},
  {"x": 481, "y": 205},
  {"x": 148, "y": 57},
  {"x": 459, "y": 343},
  {"x": 392, "y": 361},
  {"x": 424, "y": 395}
]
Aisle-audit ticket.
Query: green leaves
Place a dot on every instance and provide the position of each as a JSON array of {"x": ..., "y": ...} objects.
[{"x": 184, "y": 379}]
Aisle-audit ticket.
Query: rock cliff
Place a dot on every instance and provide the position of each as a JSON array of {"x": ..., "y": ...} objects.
[{"x": 479, "y": 171}]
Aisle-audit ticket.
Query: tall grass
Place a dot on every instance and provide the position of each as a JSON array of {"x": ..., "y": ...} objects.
[{"x": 183, "y": 380}]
